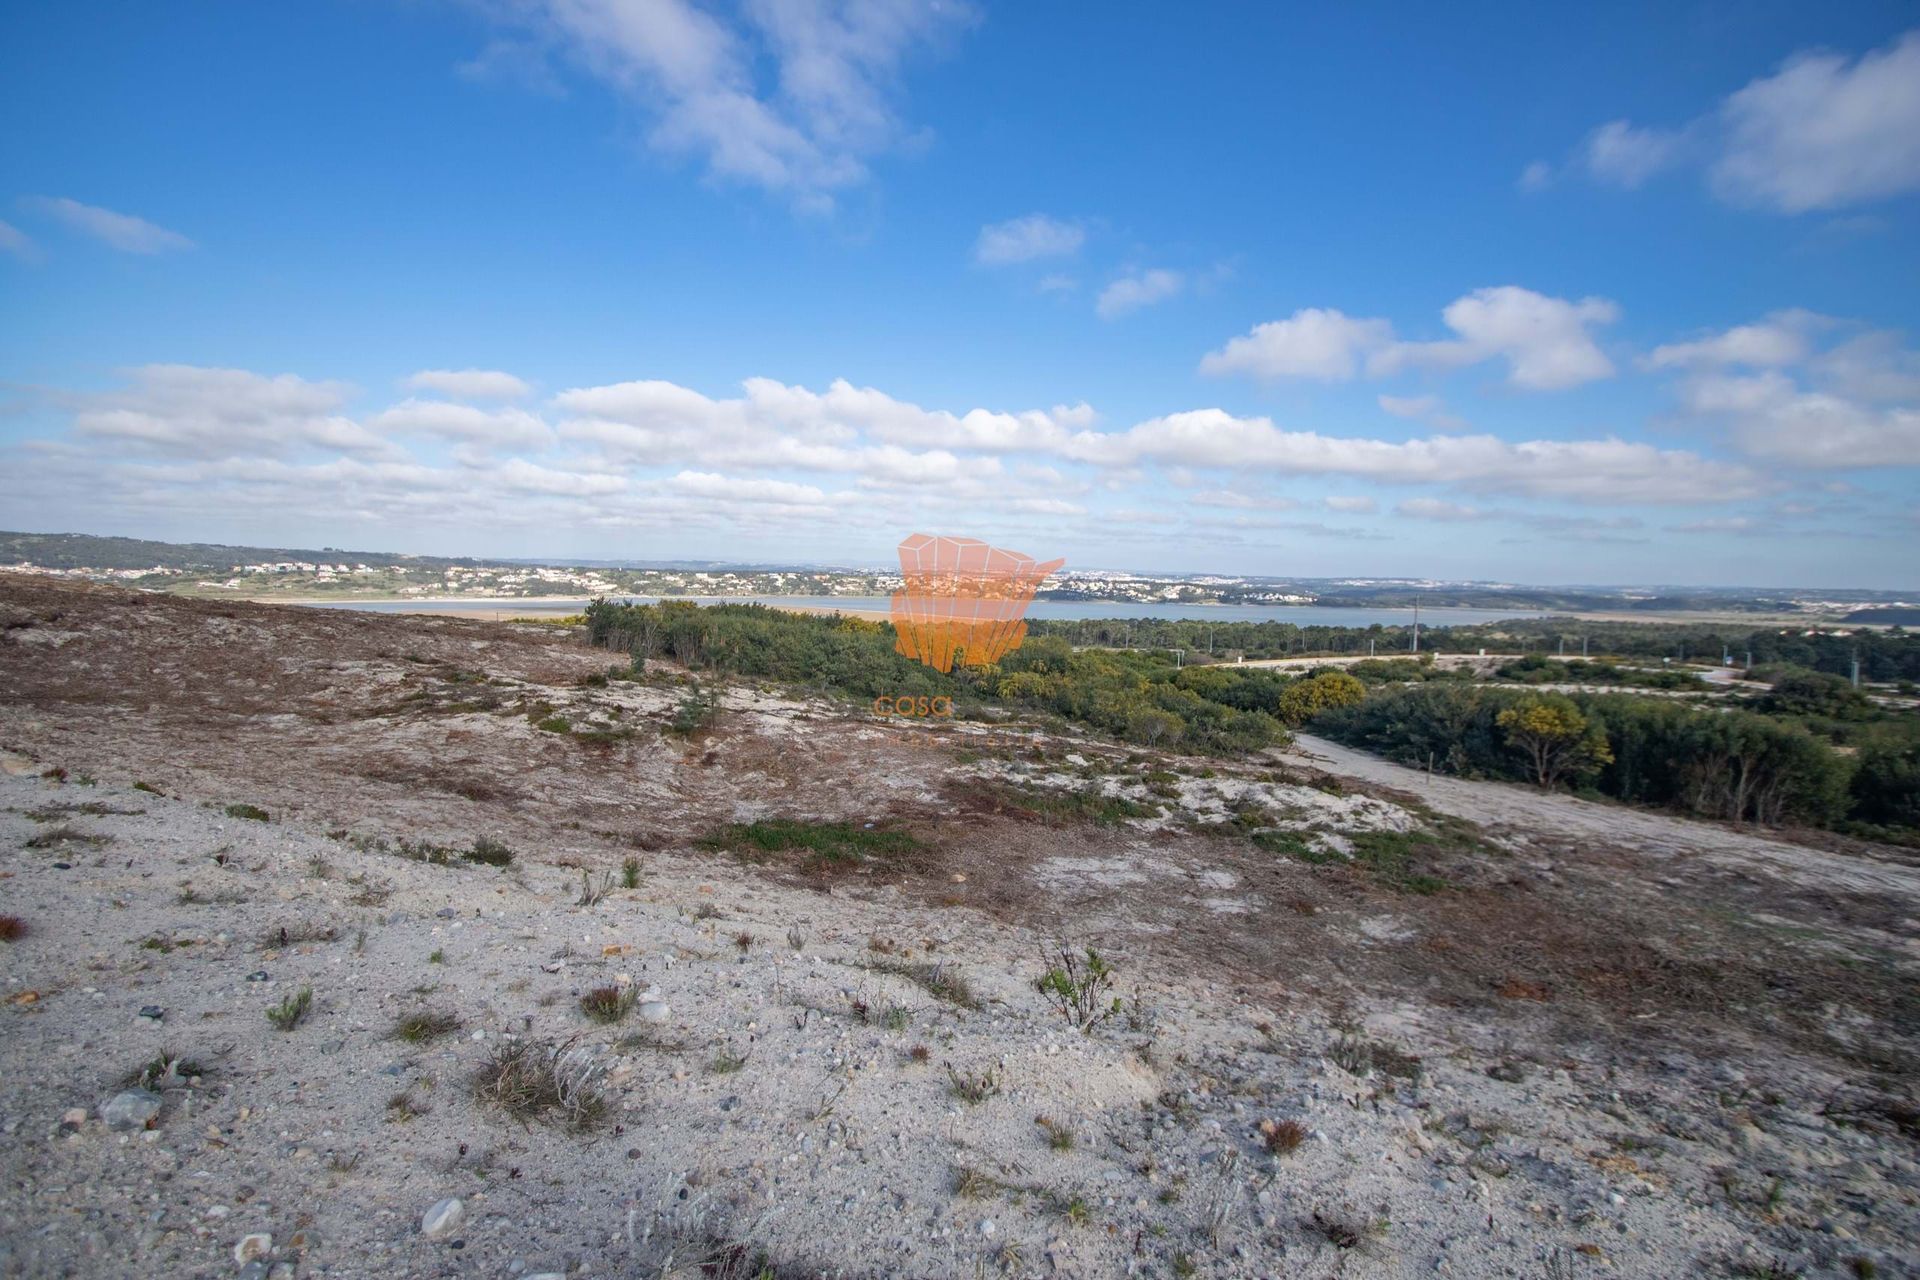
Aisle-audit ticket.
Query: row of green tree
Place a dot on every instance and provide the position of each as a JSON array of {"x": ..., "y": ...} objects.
[
  {"x": 1811, "y": 750},
  {"x": 1148, "y": 698},
  {"x": 1739, "y": 765},
  {"x": 1883, "y": 654}
]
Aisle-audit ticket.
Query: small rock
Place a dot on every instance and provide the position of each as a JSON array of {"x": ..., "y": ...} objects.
[
  {"x": 134, "y": 1109},
  {"x": 446, "y": 913},
  {"x": 75, "y": 1116},
  {"x": 986, "y": 1226},
  {"x": 153, "y": 1011},
  {"x": 443, "y": 1219},
  {"x": 254, "y": 1271},
  {"x": 655, "y": 1011},
  {"x": 255, "y": 1244},
  {"x": 258, "y": 975}
]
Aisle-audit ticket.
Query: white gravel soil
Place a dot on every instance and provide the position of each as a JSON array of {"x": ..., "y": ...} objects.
[{"x": 783, "y": 1103}]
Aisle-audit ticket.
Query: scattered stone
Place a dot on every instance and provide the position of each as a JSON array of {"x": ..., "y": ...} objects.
[
  {"x": 255, "y": 1244},
  {"x": 152, "y": 1011},
  {"x": 446, "y": 913},
  {"x": 134, "y": 1109},
  {"x": 655, "y": 1011},
  {"x": 75, "y": 1116},
  {"x": 258, "y": 975},
  {"x": 444, "y": 1218}
]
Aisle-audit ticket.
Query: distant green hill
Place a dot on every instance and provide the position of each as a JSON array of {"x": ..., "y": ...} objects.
[{"x": 85, "y": 551}]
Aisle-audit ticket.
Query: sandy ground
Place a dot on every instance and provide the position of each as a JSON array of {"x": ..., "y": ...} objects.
[{"x": 1610, "y": 1043}]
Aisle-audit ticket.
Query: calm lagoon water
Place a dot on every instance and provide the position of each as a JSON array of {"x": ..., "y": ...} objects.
[{"x": 1301, "y": 615}]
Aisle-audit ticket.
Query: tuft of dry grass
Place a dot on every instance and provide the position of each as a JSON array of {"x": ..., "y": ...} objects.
[
  {"x": 973, "y": 1088},
  {"x": 292, "y": 1011},
  {"x": 291, "y": 935},
  {"x": 404, "y": 1106},
  {"x": 1059, "y": 1136},
  {"x": 1281, "y": 1137},
  {"x": 489, "y": 852},
  {"x": 528, "y": 1079},
  {"x": 609, "y": 1003},
  {"x": 943, "y": 981},
  {"x": 426, "y": 1026},
  {"x": 66, "y": 833},
  {"x": 594, "y": 892},
  {"x": 163, "y": 1071},
  {"x": 1345, "y": 1231}
]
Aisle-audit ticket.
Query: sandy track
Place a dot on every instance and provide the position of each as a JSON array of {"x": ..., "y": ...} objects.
[{"x": 1659, "y": 835}]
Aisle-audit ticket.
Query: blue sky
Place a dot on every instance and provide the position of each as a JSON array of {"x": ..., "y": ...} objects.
[{"x": 1511, "y": 292}]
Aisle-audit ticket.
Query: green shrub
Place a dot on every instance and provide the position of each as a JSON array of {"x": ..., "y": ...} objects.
[{"x": 827, "y": 844}]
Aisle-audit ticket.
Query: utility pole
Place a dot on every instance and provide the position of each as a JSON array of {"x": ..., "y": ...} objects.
[
  {"x": 1416, "y": 624},
  {"x": 1583, "y": 648},
  {"x": 1856, "y": 668},
  {"x": 1563, "y": 646},
  {"x": 1369, "y": 647}
]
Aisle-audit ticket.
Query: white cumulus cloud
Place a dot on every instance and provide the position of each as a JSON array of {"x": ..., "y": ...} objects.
[
  {"x": 464, "y": 423},
  {"x": 792, "y": 96},
  {"x": 15, "y": 241},
  {"x": 205, "y": 412},
  {"x": 1138, "y": 289},
  {"x": 1024, "y": 239},
  {"x": 1626, "y": 156},
  {"x": 1311, "y": 343},
  {"x": 123, "y": 231},
  {"x": 1547, "y": 342},
  {"x": 1823, "y": 132},
  {"x": 470, "y": 384}
]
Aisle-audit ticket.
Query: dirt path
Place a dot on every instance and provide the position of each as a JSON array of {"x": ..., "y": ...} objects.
[{"x": 1510, "y": 805}]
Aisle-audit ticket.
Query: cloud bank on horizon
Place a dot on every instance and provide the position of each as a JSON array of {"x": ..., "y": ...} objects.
[{"x": 1542, "y": 409}]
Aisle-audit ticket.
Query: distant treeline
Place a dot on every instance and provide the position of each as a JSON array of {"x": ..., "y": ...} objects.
[
  {"x": 1779, "y": 762},
  {"x": 1884, "y": 655},
  {"x": 85, "y": 551},
  {"x": 1738, "y": 765},
  {"x": 1138, "y": 697}
]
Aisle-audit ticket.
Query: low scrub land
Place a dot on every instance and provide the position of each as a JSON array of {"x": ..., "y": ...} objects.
[{"x": 382, "y": 945}]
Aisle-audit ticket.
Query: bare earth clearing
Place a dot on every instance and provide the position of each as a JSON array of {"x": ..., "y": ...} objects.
[{"x": 1521, "y": 1035}]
